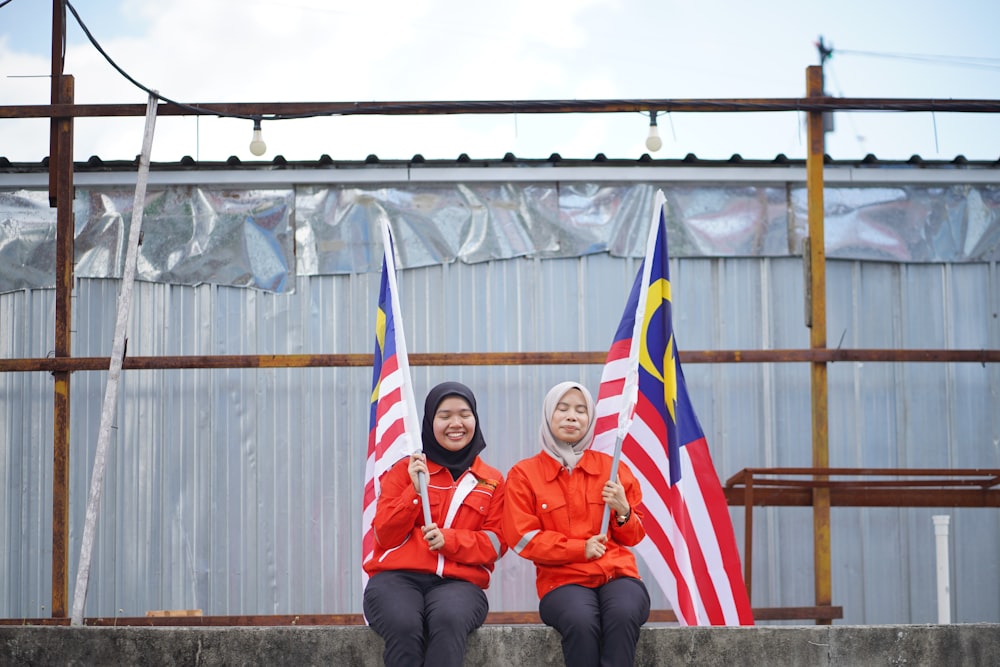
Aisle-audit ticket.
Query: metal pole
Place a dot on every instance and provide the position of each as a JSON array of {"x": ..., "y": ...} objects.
[
  {"x": 64, "y": 189},
  {"x": 615, "y": 461},
  {"x": 114, "y": 372},
  {"x": 816, "y": 291},
  {"x": 425, "y": 501},
  {"x": 61, "y": 198}
]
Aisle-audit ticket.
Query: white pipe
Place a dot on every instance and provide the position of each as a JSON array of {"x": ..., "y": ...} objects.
[
  {"x": 943, "y": 569},
  {"x": 114, "y": 370}
]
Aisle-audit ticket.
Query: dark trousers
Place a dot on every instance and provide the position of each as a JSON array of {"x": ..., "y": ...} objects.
[
  {"x": 599, "y": 626},
  {"x": 423, "y": 619}
]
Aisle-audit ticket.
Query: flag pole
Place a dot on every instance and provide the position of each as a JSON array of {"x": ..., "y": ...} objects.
[
  {"x": 424, "y": 499},
  {"x": 630, "y": 396},
  {"x": 410, "y": 425},
  {"x": 630, "y": 392}
]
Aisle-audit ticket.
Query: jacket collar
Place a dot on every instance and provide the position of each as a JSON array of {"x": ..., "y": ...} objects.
[
  {"x": 478, "y": 468},
  {"x": 588, "y": 464}
]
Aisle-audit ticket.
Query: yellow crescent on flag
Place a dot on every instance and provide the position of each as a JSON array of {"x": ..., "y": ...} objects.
[{"x": 656, "y": 295}]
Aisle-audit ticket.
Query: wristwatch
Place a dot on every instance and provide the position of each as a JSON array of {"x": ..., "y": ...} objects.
[{"x": 622, "y": 519}]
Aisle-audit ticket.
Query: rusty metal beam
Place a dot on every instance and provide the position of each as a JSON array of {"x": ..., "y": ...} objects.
[
  {"x": 56, "y": 95},
  {"x": 982, "y": 479},
  {"x": 73, "y": 364},
  {"x": 63, "y": 191},
  {"x": 866, "y": 497},
  {"x": 280, "y": 110}
]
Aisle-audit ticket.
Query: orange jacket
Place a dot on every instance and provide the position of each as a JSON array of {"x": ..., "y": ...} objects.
[
  {"x": 549, "y": 514},
  {"x": 468, "y": 511}
]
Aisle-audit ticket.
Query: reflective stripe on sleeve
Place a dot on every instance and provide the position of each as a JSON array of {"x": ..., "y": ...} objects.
[
  {"x": 494, "y": 540},
  {"x": 523, "y": 542}
]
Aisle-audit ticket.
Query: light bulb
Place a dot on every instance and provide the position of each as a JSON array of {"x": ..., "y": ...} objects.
[
  {"x": 257, "y": 145},
  {"x": 653, "y": 141}
]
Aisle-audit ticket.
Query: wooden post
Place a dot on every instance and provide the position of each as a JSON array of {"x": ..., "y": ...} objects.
[{"x": 816, "y": 291}]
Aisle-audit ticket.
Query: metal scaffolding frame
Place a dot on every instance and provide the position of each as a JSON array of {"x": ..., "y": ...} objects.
[{"x": 747, "y": 488}]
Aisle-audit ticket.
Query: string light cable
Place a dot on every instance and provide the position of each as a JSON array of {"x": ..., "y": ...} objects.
[
  {"x": 471, "y": 107},
  {"x": 257, "y": 145},
  {"x": 138, "y": 84},
  {"x": 649, "y": 107}
]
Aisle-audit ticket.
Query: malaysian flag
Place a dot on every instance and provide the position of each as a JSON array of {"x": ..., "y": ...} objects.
[
  {"x": 689, "y": 547},
  {"x": 393, "y": 429}
]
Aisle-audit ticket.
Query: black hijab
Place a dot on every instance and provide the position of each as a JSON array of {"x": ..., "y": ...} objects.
[{"x": 456, "y": 462}]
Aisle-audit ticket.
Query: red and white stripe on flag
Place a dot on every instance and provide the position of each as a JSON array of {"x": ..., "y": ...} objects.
[
  {"x": 690, "y": 547},
  {"x": 393, "y": 430}
]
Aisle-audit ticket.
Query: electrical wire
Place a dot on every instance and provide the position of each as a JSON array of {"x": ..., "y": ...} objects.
[
  {"x": 850, "y": 117},
  {"x": 452, "y": 107},
  {"x": 955, "y": 61},
  {"x": 394, "y": 107},
  {"x": 137, "y": 84},
  {"x": 164, "y": 98}
]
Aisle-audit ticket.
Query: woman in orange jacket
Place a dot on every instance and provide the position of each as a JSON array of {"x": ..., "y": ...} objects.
[
  {"x": 425, "y": 594},
  {"x": 588, "y": 584}
]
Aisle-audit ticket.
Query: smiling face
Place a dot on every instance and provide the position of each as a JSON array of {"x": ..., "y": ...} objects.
[
  {"x": 454, "y": 423},
  {"x": 570, "y": 418}
]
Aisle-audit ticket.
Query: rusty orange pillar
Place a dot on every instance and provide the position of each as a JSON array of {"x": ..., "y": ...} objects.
[
  {"x": 61, "y": 195},
  {"x": 815, "y": 256}
]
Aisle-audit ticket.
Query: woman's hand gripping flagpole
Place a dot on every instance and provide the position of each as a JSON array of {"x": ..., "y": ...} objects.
[{"x": 630, "y": 396}]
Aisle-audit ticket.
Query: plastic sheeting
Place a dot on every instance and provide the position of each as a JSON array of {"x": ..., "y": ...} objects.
[{"x": 264, "y": 238}]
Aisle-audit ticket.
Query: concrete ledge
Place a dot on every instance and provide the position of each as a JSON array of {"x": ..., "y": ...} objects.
[{"x": 502, "y": 646}]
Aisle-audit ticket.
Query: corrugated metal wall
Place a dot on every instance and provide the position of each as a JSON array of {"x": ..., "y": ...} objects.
[{"x": 239, "y": 491}]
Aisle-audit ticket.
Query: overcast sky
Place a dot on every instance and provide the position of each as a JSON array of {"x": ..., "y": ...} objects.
[{"x": 203, "y": 51}]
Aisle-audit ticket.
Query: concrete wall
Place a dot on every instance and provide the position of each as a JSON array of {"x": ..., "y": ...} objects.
[{"x": 503, "y": 646}]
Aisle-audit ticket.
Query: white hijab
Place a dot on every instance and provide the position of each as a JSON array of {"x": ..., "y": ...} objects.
[{"x": 567, "y": 453}]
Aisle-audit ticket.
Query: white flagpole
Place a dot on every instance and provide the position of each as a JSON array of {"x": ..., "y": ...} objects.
[
  {"x": 630, "y": 392},
  {"x": 410, "y": 425}
]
